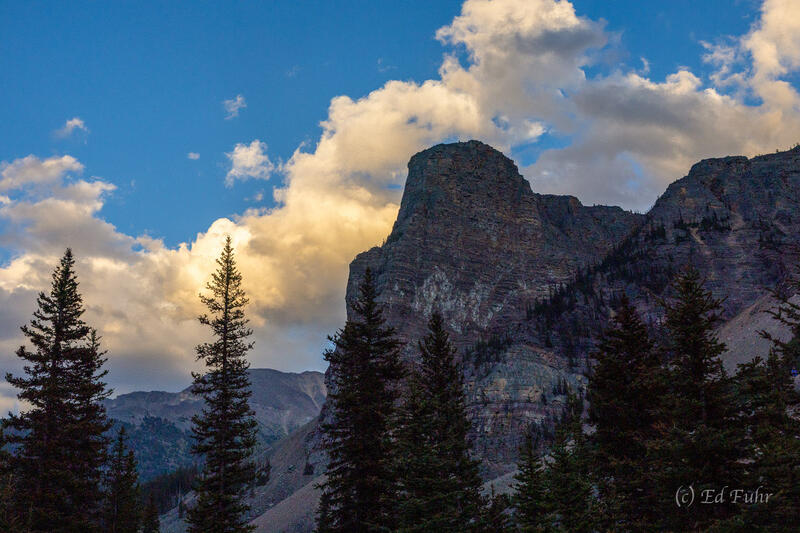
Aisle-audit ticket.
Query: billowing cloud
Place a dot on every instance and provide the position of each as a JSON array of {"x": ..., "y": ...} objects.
[
  {"x": 72, "y": 125},
  {"x": 31, "y": 170},
  {"x": 249, "y": 161},
  {"x": 233, "y": 106},
  {"x": 514, "y": 71},
  {"x": 193, "y": 156}
]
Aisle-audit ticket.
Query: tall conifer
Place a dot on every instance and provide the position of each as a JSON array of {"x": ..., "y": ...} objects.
[
  {"x": 123, "y": 511},
  {"x": 224, "y": 431},
  {"x": 440, "y": 484},
  {"x": 700, "y": 442},
  {"x": 623, "y": 392},
  {"x": 530, "y": 503},
  {"x": 59, "y": 441},
  {"x": 360, "y": 492},
  {"x": 150, "y": 521}
]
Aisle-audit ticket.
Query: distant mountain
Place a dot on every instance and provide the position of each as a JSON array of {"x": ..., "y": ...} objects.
[{"x": 159, "y": 422}]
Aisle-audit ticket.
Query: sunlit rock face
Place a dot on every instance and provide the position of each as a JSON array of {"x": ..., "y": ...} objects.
[
  {"x": 473, "y": 242},
  {"x": 526, "y": 281}
]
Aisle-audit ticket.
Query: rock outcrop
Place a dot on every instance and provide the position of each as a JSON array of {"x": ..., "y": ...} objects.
[{"x": 526, "y": 281}]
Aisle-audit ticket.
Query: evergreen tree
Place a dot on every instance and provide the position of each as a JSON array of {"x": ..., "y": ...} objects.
[
  {"x": 700, "y": 442},
  {"x": 59, "y": 441},
  {"x": 360, "y": 492},
  {"x": 439, "y": 482},
  {"x": 497, "y": 519},
  {"x": 122, "y": 510},
  {"x": 623, "y": 393},
  {"x": 567, "y": 482},
  {"x": 9, "y": 518},
  {"x": 530, "y": 503},
  {"x": 225, "y": 429},
  {"x": 150, "y": 521},
  {"x": 769, "y": 403}
]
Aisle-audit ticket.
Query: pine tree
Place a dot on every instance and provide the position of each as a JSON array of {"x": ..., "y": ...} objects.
[
  {"x": 496, "y": 519},
  {"x": 122, "y": 512},
  {"x": 770, "y": 404},
  {"x": 224, "y": 431},
  {"x": 9, "y": 517},
  {"x": 530, "y": 499},
  {"x": 567, "y": 482},
  {"x": 60, "y": 440},
  {"x": 623, "y": 393},
  {"x": 440, "y": 484},
  {"x": 700, "y": 442},
  {"x": 359, "y": 494},
  {"x": 150, "y": 521}
]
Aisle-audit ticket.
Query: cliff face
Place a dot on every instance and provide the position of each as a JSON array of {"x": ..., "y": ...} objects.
[
  {"x": 475, "y": 243},
  {"x": 526, "y": 281}
]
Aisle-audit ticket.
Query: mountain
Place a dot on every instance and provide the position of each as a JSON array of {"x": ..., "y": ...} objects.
[{"x": 159, "y": 422}]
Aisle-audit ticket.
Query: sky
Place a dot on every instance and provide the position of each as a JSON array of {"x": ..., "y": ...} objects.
[{"x": 140, "y": 134}]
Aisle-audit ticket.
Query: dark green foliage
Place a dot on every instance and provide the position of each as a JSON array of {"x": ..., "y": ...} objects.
[
  {"x": 699, "y": 441},
  {"x": 59, "y": 443},
  {"x": 225, "y": 430},
  {"x": 624, "y": 391},
  {"x": 122, "y": 512},
  {"x": 770, "y": 405},
  {"x": 529, "y": 500},
  {"x": 497, "y": 518},
  {"x": 568, "y": 485},
  {"x": 150, "y": 521},
  {"x": 439, "y": 481},
  {"x": 165, "y": 490},
  {"x": 360, "y": 492}
]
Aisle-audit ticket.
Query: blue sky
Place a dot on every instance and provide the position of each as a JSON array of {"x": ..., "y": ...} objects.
[
  {"x": 101, "y": 103},
  {"x": 148, "y": 79}
]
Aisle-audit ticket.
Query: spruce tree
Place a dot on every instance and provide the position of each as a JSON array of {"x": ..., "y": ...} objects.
[
  {"x": 122, "y": 512},
  {"x": 497, "y": 519},
  {"x": 59, "y": 441},
  {"x": 770, "y": 403},
  {"x": 700, "y": 442},
  {"x": 567, "y": 481},
  {"x": 359, "y": 494},
  {"x": 623, "y": 392},
  {"x": 224, "y": 431},
  {"x": 439, "y": 482},
  {"x": 530, "y": 499},
  {"x": 150, "y": 521}
]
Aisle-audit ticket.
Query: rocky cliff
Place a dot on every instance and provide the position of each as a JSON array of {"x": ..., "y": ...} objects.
[{"x": 525, "y": 281}]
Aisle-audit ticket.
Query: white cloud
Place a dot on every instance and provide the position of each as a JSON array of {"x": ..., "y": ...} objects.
[
  {"x": 70, "y": 126},
  {"x": 193, "y": 155},
  {"x": 249, "y": 161},
  {"x": 233, "y": 106},
  {"x": 31, "y": 170},
  {"x": 521, "y": 76}
]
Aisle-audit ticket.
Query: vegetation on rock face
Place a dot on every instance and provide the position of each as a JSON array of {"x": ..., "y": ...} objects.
[{"x": 225, "y": 430}]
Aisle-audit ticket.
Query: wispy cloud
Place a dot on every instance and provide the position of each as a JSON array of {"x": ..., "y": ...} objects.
[
  {"x": 249, "y": 161},
  {"x": 193, "y": 155},
  {"x": 233, "y": 106},
  {"x": 72, "y": 125}
]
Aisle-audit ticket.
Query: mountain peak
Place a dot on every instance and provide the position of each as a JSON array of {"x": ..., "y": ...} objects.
[{"x": 463, "y": 176}]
